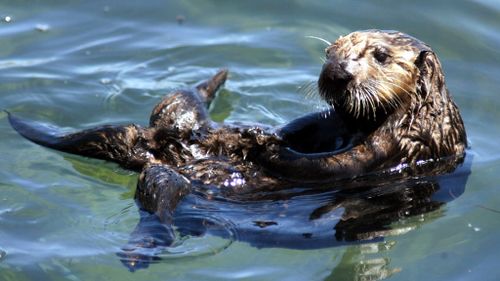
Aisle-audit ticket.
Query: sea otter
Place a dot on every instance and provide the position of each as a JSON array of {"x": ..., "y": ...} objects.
[
  {"x": 391, "y": 114},
  {"x": 388, "y": 90}
]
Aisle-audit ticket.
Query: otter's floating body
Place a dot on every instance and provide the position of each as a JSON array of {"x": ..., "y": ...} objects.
[{"x": 391, "y": 113}]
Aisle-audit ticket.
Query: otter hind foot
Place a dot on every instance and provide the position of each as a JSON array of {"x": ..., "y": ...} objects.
[
  {"x": 149, "y": 238},
  {"x": 186, "y": 109},
  {"x": 207, "y": 89},
  {"x": 160, "y": 189},
  {"x": 113, "y": 143}
]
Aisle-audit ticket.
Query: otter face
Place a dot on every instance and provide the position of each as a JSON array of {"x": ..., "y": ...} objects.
[{"x": 369, "y": 73}]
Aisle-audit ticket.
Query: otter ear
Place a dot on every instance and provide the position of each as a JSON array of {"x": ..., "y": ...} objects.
[{"x": 431, "y": 77}]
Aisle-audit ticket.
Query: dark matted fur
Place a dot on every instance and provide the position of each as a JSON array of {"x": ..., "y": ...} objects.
[{"x": 391, "y": 112}]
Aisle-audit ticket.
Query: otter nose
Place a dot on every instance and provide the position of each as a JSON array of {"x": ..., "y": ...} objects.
[
  {"x": 333, "y": 79},
  {"x": 335, "y": 69}
]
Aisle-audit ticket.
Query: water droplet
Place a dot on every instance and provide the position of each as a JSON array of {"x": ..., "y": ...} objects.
[
  {"x": 105, "y": 81},
  {"x": 42, "y": 27},
  {"x": 7, "y": 19},
  {"x": 476, "y": 229}
]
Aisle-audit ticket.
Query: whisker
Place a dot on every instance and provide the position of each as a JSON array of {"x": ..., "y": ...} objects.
[
  {"x": 395, "y": 101},
  {"x": 320, "y": 39},
  {"x": 387, "y": 101},
  {"x": 309, "y": 89},
  {"x": 392, "y": 92},
  {"x": 396, "y": 85},
  {"x": 372, "y": 103},
  {"x": 397, "y": 82}
]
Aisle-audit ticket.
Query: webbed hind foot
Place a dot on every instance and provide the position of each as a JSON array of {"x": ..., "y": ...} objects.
[
  {"x": 187, "y": 109},
  {"x": 159, "y": 191},
  {"x": 108, "y": 142}
]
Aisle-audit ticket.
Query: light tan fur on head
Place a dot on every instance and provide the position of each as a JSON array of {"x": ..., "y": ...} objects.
[
  {"x": 383, "y": 69},
  {"x": 396, "y": 81}
]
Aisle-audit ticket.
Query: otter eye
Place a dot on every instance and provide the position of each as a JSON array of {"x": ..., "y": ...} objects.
[{"x": 381, "y": 55}]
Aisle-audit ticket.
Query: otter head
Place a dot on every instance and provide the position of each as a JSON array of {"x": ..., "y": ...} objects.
[{"x": 369, "y": 74}]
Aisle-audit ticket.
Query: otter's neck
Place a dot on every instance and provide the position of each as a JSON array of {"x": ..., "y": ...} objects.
[{"x": 431, "y": 128}]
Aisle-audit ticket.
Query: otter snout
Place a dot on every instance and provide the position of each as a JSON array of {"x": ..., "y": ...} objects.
[
  {"x": 334, "y": 78},
  {"x": 336, "y": 69}
]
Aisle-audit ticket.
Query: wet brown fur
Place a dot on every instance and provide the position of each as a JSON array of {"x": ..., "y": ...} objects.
[
  {"x": 399, "y": 111},
  {"x": 392, "y": 119},
  {"x": 401, "y": 104}
]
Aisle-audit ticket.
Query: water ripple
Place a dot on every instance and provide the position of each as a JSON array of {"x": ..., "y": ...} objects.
[
  {"x": 80, "y": 64},
  {"x": 7, "y": 64}
]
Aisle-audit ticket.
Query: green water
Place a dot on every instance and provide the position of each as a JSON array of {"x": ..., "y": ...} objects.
[{"x": 82, "y": 63}]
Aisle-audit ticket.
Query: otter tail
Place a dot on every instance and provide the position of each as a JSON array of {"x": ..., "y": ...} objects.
[
  {"x": 207, "y": 89},
  {"x": 114, "y": 143}
]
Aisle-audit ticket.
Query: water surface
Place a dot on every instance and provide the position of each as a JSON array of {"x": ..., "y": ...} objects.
[{"x": 78, "y": 64}]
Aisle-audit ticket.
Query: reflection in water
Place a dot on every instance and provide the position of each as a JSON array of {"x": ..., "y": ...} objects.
[
  {"x": 305, "y": 219},
  {"x": 354, "y": 266}
]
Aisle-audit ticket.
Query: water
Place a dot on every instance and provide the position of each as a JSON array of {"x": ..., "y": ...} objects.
[{"x": 82, "y": 63}]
